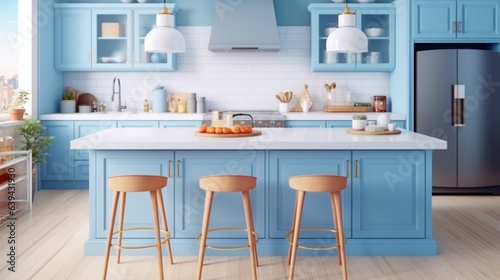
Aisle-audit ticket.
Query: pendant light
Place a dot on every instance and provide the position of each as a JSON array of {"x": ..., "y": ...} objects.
[
  {"x": 164, "y": 38},
  {"x": 347, "y": 38}
]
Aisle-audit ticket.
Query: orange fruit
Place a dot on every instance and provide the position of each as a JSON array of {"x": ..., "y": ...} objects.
[
  {"x": 203, "y": 128},
  {"x": 210, "y": 129},
  {"x": 248, "y": 129},
  {"x": 236, "y": 129},
  {"x": 218, "y": 130},
  {"x": 226, "y": 130}
]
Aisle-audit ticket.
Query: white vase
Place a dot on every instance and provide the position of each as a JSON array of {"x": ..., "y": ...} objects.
[
  {"x": 358, "y": 124},
  {"x": 68, "y": 106}
]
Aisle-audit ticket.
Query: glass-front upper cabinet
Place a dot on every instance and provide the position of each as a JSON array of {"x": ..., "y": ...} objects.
[
  {"x": 375, "y": 20},
  {"x": 145, "y": 20},
  {"x": 107, "y": 37},
  {"x": 112, "y": 38}
]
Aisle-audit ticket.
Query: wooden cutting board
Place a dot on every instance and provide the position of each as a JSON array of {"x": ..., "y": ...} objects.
[
  {"x": 214, "y": 135},
  {"x": 364, "y": 132}
]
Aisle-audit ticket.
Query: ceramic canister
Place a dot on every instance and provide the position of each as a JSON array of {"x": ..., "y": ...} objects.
[{"x": 160, "y": 99}]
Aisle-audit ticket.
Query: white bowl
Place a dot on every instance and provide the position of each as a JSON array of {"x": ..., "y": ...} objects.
[
  {"x": 374, "y": 32},
  {"x": 127, "y": 1},
  {"x": 338, "y": 1},
  {"x": 366, "y": 1},
  {"x": 143, "y": 1},
  {"x": 84, "y": 109}
]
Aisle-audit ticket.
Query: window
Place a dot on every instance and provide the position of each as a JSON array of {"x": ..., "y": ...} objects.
[{"x": 16, "y": 49}]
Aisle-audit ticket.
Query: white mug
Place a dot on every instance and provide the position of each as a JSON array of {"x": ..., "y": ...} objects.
[
  {"x": 392, "y": 126},
  {"x": 306, "y": 105}
]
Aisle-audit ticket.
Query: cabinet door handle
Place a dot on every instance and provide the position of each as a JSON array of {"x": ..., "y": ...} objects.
[
  {"x": 356, "y": 175},
  {"x": 178, "y": 169},
  {"x": 459, "y": 27},
  {"x": 454, "y": 27},
  {"x": 169, "y": 169},
  {"x": 348, "y": 168}
]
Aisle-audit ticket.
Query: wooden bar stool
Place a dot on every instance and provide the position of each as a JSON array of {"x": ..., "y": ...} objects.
[
  {"x": 121, "y": 185},
  {"x": 317, "y": 183},
  {"x": 228, "y": 183}
]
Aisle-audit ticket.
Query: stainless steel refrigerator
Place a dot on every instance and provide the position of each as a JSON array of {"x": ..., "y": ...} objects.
[{"x": 457, "y": 99}]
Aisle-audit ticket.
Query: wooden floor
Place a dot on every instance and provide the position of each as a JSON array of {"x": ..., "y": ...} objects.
[{"x": 50, "y": 246}]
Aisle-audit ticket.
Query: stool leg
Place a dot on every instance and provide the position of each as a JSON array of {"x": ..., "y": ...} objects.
[
  {"x": 300, "y": 203},
  {"x": 209, "y": 195},
  {"x": 154, "y": 203},
  {"x": 335, "y": 226},
  {"x": 251, "y": 240},
  {"x": 293, "y": 226},
  {"x": 336, "y": 204},
  {"x": 120, "y": 226},
  {"x": 165, "y": 225},
  {"x": 114, "y": 205}
]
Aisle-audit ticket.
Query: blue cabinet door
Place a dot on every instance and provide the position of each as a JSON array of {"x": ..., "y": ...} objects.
[
  {"x": 138, "y": 212},
  {"x": 60, "y": 162},
  {"x": 227, "y": 209},
  {"x": 84, "y": 128},
  {"x": 434, "y": 19},
  {"x": 388, "y": 190},
  {"x": 317, "y": 206},
  {"x": 72, "y": 39},
  {"x": 478, "y": 19},
  {"x": 320, "y": 124}
]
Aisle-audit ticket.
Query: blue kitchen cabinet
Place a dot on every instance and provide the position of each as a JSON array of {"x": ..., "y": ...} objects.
[
  {"x": 227, "y": 209},
  {"x": 380, "y": 15},
  {"x": 387, "y": 194},
  {"x": 138, "y": 212},
  {"x": 107, "y": 37},
  {"x": 137, "y": 123},
  {"x": 165, "y": 124},
  {"x": 59, "y": 166},
  {"x": 320, "y": 124},
  {"x": 317, "y": 206},
  {"x": 452, "y": 19},
  {"x": 81, "y": 157},
  {"x": 73, "y": 33}
]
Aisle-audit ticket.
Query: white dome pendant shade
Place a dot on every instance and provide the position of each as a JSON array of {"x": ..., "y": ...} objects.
[
  {"x": 347, "y": 38},
  {"x": 164, "y": 38}
]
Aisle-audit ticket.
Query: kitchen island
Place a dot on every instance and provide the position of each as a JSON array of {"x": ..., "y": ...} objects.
[{"x": 387, "y": 205}]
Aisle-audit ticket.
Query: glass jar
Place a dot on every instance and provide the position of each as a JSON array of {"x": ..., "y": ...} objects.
[{"x": 379, "y": 103}]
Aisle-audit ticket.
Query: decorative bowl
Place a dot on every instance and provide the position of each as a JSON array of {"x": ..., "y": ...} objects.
[{"x": 374, "y": 32}]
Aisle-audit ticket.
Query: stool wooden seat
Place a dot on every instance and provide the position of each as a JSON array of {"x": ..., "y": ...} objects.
[
  {"x": 228, "y": 183},
  {"x": 318, "y": 183},
  {"x": 121, "y": 185}
]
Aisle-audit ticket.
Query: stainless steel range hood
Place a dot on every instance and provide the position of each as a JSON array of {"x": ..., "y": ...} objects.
[{"x": 244, "y": 25}]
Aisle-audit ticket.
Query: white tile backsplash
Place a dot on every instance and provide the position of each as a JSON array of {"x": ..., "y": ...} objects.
[{"x": 235, "y": 80}]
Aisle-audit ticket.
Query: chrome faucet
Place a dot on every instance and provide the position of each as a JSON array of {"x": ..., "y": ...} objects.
[{"x": 119, "y": 92}]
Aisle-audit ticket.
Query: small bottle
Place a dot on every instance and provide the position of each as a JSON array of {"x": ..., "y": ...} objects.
[
  {"x": 380, "y": 104},
  {"x": 200, "y": 105},
  {"x": 146, "y": 106},
  {"x": 9, "y": 147},
  {"x": 94, "y": 106},
  {"x": 102, "y": 108},
  {"x": 191, "y": 103}
]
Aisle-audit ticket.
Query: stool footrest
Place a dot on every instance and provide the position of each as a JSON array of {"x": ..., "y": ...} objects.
[
  {"x": 317, "y": 248},
  {"x": 255, "y": 234},
  {"x": 162, "y": 241}
]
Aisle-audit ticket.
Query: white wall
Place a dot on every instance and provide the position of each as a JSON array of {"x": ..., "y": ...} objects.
[{"x": 244, "y": 81}]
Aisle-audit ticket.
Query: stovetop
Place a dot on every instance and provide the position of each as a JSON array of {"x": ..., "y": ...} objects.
[{"x": 260, "y": 118}]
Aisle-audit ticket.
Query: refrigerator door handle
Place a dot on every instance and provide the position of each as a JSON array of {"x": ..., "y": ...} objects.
[{"x": 458, "y": 110}]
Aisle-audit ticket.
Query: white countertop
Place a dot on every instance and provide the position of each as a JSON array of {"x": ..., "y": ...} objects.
[
  {"x": 310, "y": 116},
  {"x": 271, "y": 139}
]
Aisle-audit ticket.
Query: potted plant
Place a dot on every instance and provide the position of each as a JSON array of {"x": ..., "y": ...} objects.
[
  {"x": 17, "y": 110},
  {"x": 68, "y": 103},
  {"x": 358, "y": 122},
  {"x": 32, "y": 138}
]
